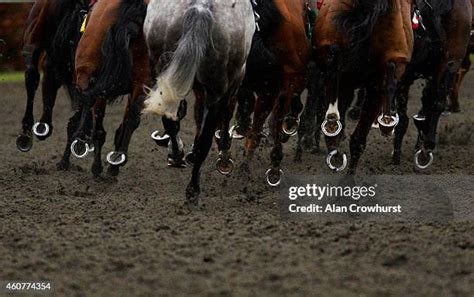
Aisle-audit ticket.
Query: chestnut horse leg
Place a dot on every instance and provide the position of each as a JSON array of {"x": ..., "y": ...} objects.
[
  {"x": 294, "y": 84},
  {"x": 51, "y": 85},
  {"x": 263, "y": 108},
  {"x": 24, "y": 141}
]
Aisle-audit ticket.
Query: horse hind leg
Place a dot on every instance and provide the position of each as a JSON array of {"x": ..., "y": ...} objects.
[
  {"x": 24, "y": 141},
  {"x": 402, "y": 127},
  {"x": 44, "y": 128},
  {"x": 98, "y": 136},
  {"x": 123, "y": 134},
  {"x": 225, "y": 163},
  {"x": 424, "y": 155},
  {"x": 201, "y": 150},
  {"x": 358, "y": 140},
  {"x": 454, "y": 105},
  {"x": 389, "y": 119}
]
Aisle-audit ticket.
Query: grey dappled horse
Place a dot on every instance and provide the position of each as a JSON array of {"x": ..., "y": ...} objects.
[{"x": 200, "y": 46}]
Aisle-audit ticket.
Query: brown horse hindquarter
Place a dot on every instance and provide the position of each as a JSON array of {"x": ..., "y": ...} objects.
[{"x": 88, "y": 55}]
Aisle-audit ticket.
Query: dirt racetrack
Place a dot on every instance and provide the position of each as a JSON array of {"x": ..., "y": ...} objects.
[{"x": 132, "y": 237}]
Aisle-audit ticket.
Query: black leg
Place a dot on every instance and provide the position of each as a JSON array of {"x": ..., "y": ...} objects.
[
  {"x": 98, "y": 136},
  {"x": 32, "y": 78},
  {"x": 201, "y": 150},
  {"x": 51, "y": 86}
]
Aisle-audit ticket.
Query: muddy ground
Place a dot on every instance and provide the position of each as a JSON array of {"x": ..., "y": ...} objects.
[{"x": 132, "y": 237}]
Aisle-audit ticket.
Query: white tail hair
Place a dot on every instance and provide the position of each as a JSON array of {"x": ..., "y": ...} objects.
[{"x": 176, "y": 82}]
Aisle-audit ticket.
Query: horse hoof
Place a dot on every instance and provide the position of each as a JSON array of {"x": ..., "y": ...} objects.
[
  {"x": 116, "y": 158},
  {"x": 274, "y": 177},
  {"x": 330, "y": 158},
  {"x": 225, "y": 166},
  {"x": 290, "y": 126},
  {"x": 24, "y": 143},
  {"x": 387, "y": 124},
  {"x": 63, "y": 165},
  {"x": 331, "y": 128},
  {"x": 423, "y": 160},
  {"x": 80, "y": 149},
  {"x": 160, "y": 140},
  {"x": 192, "y": 195},
  {"x": 190, "y": 159},
  {"x": 42, "y": 130}
]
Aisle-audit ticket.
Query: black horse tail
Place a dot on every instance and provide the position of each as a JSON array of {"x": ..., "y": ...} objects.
[
  {"x": 114, "y": 77},
  {"x": 359, "y": 22},
  {"x": 62, "y": 51}
]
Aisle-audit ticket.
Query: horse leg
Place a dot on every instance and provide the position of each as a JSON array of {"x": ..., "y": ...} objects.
[
  {"x": 225, "y": 163},
  {"x": 307, "y": 126},
  {"x": 81, "y": 145},
  {"x": 356, "y": 108},
  {"x": 201, "y": 149},
  {"x": 175, "y": 144},
  {"x": 387, "y": 121},
  {"x": 454, "y": 105},
  {"x": 98, "y": 136},
  {"x": 72, "y": 126},
  {"x": 446, "y": 75},
  {"x": 199, "y": 107},
  {"x": 123, "y": 134},
  {"x": 293, "y": 85},
  {"x": 359, "y": 137},
  {"x": 44, "y": 128},
  {"x": 402, "y": 127},
  {"x": 24, "y": 141},
  {"x": 245, "y": 108},
  {"x": 291, "y": 121}
]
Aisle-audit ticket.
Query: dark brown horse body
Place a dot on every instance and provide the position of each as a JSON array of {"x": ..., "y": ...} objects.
[
  {"x": 52, "y": 31},
  {"x": 287, "y": 41},
  {"x": 111, "y": 61},
  {"x": 439, "y": 53},
  {"x": 453, "y": 103},
  {"x": 360, "y": 44}
]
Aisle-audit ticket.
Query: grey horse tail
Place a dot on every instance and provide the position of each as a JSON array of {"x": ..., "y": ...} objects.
[{"x": 192, "y": 47}]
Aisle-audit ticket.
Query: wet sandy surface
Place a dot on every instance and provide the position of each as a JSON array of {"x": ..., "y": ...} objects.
[{"x": 132, "y": 237}]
